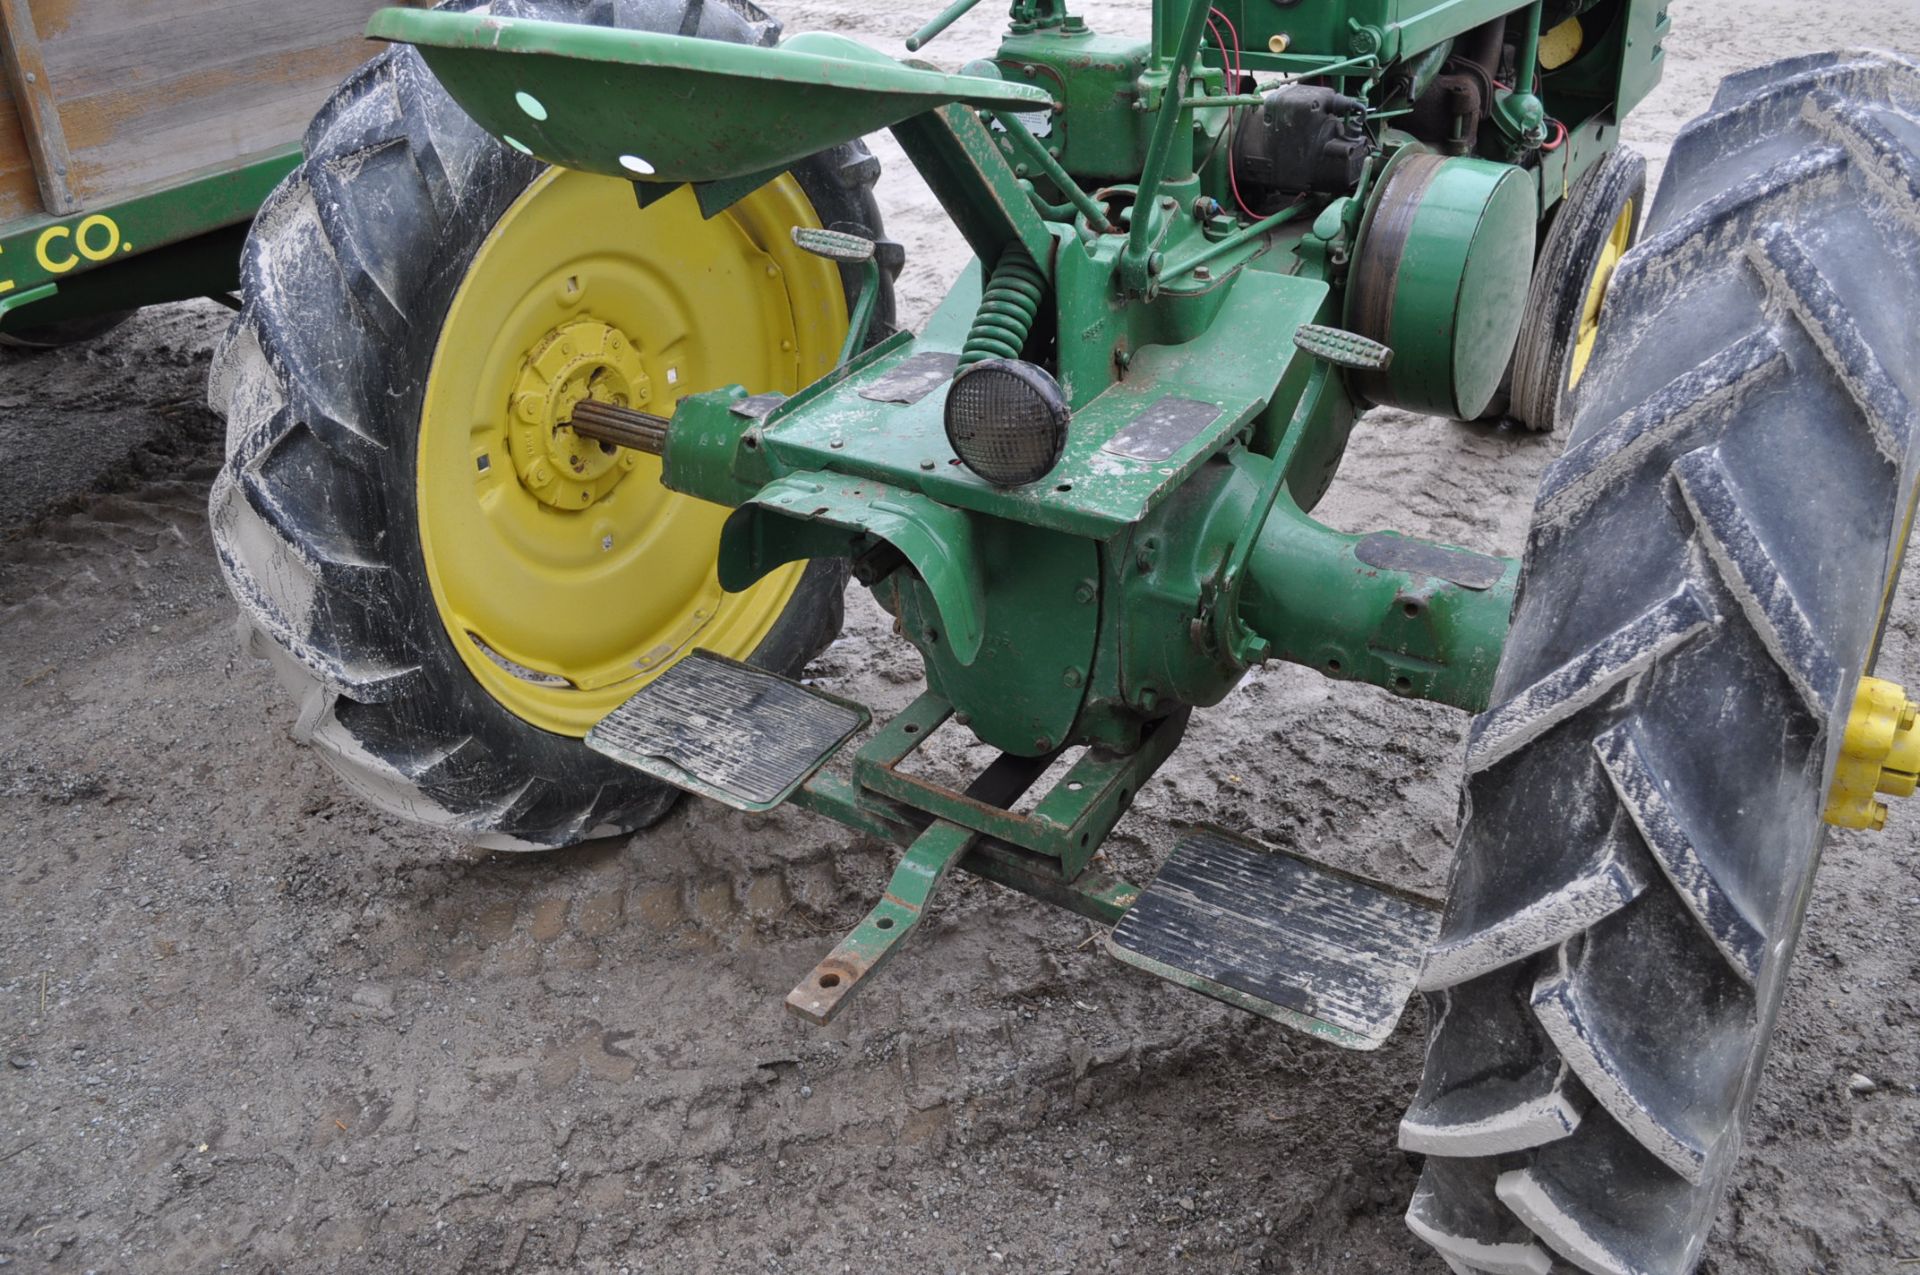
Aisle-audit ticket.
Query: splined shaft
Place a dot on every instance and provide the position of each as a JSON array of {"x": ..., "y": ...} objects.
[{"x": 621, "y": 426}]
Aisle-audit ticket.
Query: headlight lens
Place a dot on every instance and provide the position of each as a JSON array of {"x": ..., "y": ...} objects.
[{"x": 1007, "y": 420}]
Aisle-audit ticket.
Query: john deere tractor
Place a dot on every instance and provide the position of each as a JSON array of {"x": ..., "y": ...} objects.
[{"x": 568, "y": 395}]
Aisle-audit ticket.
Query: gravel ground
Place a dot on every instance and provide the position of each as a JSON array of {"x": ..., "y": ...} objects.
[{"x": 248, "y": 1024}]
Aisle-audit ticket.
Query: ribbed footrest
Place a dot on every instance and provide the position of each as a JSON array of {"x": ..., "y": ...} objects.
[
  {"x": 1297, "y": 942},
  {"x": 740, "y": 735}
]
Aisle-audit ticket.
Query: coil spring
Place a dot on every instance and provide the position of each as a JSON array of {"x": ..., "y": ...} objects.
[{"x": 1007, "y": 308}]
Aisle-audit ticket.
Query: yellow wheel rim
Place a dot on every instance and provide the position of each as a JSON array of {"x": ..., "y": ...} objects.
[
  {"x": 1610, "y": 254},
  {"x": 565, "y": 574}
]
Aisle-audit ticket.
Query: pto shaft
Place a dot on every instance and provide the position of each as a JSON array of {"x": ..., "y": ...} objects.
[{"x": 621, "y": 426}]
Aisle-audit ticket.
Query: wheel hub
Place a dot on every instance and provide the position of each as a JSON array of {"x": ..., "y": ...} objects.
[
  {"x": 1880, "y": 753},
  {"x": 578, "y": 360}
]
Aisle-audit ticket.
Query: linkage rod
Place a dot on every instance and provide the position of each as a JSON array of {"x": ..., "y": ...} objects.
[
  {"x": 947, "y": 17},
  {"x": 1161, "y": 141},
  {"x": 1029, "y": 145}
]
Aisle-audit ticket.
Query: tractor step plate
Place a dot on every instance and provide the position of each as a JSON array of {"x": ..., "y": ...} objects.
[
  {"x": 740, "y": 735},
  {"x": 1330, "y": 954}
]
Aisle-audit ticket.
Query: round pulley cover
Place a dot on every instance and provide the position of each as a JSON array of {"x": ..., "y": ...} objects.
[{"x": 1446, "y": 254}]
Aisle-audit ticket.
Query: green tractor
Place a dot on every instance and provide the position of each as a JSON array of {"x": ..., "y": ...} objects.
[{"x": 567, "y": 396}]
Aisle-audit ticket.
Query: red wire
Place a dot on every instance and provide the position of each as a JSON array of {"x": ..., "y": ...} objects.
[
  {"x": 1232, "y": 59},
  {"x": 1239, "y": 56}
]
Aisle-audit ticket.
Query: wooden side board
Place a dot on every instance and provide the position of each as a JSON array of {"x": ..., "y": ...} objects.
[
  {"x": 19, "y": 191},
  {"x": 150, "y": 92}
]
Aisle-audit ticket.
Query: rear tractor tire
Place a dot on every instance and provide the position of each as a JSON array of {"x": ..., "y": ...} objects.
[
  {"x": 453, "y": 584},
  {"x": 1705, "y": 583}
]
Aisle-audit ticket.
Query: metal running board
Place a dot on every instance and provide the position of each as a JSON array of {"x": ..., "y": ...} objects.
[
  {"x": 1306, "y": 945},
  {"x": 740, "y": 735}
]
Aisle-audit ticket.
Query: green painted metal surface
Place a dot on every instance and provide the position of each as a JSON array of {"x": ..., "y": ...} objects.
[
  {"x": 1172, "y": 547},
  {"x": 1095, "y": 490},
  {"x": 1097, "y": 895},
  {"x": 671, "y": 108},
  {"x": 976, "y": 183},
  {"x": 1023, "y": 692},
  {"x": 936, "y": 540},
  {"x": 1087, "y": 71},
  {"x": 1067, "y": 824},
  {"x": 1385, "y": 608},
  {"x": 1458, "y": 242}
]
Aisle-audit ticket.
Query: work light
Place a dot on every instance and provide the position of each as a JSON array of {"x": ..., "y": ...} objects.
[{"x": 1007, "y": 420}]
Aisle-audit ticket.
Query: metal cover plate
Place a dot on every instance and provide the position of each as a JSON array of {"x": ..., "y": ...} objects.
[
  {"x": 755, "y": 407},
  {"x": 740, "y": 735},
  {"x": 1330, "y": 954},
  {"x": 912, "y": 379},
  {"x": 1463, "y": 567},
  {"x": 1163, "y": 429}
]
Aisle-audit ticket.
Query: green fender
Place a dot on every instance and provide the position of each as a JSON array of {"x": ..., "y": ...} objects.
[{"x": 814, "y": 514}]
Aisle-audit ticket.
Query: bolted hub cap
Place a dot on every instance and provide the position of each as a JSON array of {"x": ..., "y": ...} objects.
[
  {"x": 582, "y": 359},
  {"x": 1880, "y": 754}
]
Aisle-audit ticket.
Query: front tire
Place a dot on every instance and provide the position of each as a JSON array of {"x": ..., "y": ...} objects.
[
  {"x": 1597, "y": 223},
  {"x": 1705, "y": 582},
  {"x": 453, "y": 585}
]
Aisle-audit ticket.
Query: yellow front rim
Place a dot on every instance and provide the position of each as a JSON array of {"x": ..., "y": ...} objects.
[
  {"x": 565, "y": 574},
  {"x": 1610, "y": 254}
]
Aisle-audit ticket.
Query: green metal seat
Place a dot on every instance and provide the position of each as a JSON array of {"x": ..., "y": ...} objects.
[{"x": 672, "y": 108}]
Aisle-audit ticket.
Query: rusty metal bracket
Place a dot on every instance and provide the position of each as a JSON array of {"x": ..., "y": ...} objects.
[
  {"x": 822, "y": 993},
  {"x": 1045, "y": 854}
]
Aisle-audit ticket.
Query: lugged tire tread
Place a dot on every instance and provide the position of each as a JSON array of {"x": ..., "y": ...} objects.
[
  {"x": 1685, "y": 476},
  {"x": 1791, "y": 276},
  {"x": 1675, "y": 847}
]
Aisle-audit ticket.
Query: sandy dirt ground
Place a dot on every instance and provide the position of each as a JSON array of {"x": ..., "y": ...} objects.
[{"x": 247, "y": 1024}]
